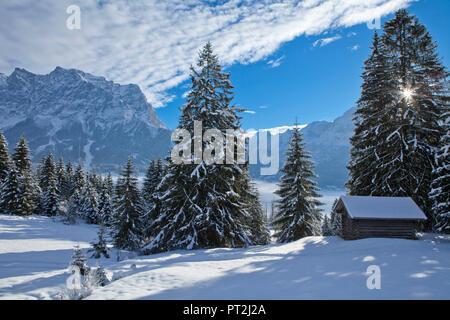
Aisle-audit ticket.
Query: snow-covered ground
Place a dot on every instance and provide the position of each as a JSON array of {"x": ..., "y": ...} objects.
[{"x": 35, "y": 253}]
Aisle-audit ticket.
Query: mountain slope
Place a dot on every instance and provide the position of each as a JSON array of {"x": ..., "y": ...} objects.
[
  {"x": 81, "y": 116},
  {"x": 329, "y": 145}
]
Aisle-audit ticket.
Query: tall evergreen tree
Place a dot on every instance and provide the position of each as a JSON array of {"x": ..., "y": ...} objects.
[
  {"x": 202, "y": 205},
  {"x": 10, "y": 192},
  {"x": 326, "y": 227},
  {"x": 105, "y": 207},
  {"x": 126, "y": 229},
  {"x": 406, "y": 134},
  {"x": 377, "y": 89},
  {"x": 79, "y": 178},
  {"x": 298, "y": 215},
  {"x": 100, "y": 247},
  {"x": 21, "y": 157},
  {"x": 50, "y": 199},
  {"x": 47, "y": 173},
  {"x": 27, "y": 193},
  {"x": 4, "y": 157},
  {"x": 440, "y": 188},
  {"x": 335, "y": 220},
  {"x": 89, "y": 209}
]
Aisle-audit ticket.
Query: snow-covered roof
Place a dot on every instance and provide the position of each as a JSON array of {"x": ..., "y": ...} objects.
[{"x": 365, "y": 207}]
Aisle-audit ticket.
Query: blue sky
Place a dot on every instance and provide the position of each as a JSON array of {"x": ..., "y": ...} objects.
[
  {"x": 287, "y": 58},
  {"x": 313, "y": 83}
]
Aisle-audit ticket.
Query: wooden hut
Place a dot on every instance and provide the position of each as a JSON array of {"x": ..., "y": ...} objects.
[{"x": 384, "y": 217}]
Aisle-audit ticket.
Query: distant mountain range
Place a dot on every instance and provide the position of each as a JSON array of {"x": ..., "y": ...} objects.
[
  {"x": 80, "y": 116},
  {"x": 329, "y": 145},
  {"x": 83, "y": 117}
]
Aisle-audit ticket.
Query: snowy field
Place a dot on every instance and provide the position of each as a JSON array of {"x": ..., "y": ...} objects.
[{"x": 35, "y": 253}]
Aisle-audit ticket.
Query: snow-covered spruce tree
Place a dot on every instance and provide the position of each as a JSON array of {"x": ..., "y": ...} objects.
[
  {"x": 27, "y": 192},
  {"x": 298, "y": 215},
  {"x": 4, "y": 157},
  {"x": 151, "y": 181},
  {"x": 66, "y": 180},
  {"x": 202, "y": 204},
  {"x": 21, "y": 157},
  {"x": 47, "y": 173},
  {"x": 407, "y": 132},
  {"x": 259, "y": 231},
  {"x": 126, "y": 225},
  {"x": 154, "y": 175},
  {"x": 50, "y": 199},
  {"x": 440, "y": 188},
  {"x": 326, "y": 226},
  {"x": 100, "y": 247},
  {"x": 10, "y": 192},
  {"x": 377, "y": 93},
  {"x": 335, "y": 220},
  {"x": 109, "y": 184},
  {"x": 79, "y": 261},
  {"x": 79, "y": 179},
  {"x": 28, "y": 196},
  {"x": 105, "y": 207},
  {"x": 89, "y": 204},
  {"x": 74, "y": 209}
]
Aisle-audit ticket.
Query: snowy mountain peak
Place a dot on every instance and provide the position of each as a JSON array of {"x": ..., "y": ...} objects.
[{"x": 80, "y": 116}]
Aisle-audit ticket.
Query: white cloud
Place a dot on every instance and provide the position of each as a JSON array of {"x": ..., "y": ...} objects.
[
  {"x": 249, "y": 111},
  {"x": 263, "y": 107},
  {"x": 354, "y": 48},
  {"x": 275, "y": 63},
  {"x": 324, "y": 41},
  {"x": 153, "y": 43}
]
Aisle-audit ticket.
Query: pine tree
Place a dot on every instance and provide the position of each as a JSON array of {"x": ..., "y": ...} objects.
[
  {"x": 4, "y": 157},
  {"x": 100, "y": 247},
  {"x": 298, "y": 215},
  {"x": 65, "y": 179},
  {"x": 10, "y": 196},
  {"x": 109, "y": 184},
  {"x": 259, "y": 232},
  {"x": 408, "y": 97},
  {"x": 335, "y": 220},
  {"x": 79, "y": 261},
  {"x": 326, "y": 227},
  {"x": 79, "y": 178},
  {"x": 105, "y": 209},
  {"x": 21, "y": 157},
  {"x": 150, "y": 197},
  {"x": 47, "y": 173},
  {"x": 202, "y": 204},
  {"x": 27, "y": 195},
  {"x": 370, "y": 112},
  {"x": 89, "y": 204},
  {"x": 126, "y": 230},
  {"x": 74, "y": 210},
  {"x": 51, "y": 197},
  {"x": 440, "y": 188}
]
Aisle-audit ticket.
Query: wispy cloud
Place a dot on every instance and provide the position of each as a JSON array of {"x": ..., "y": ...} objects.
[
  {"x": 153, "y": 43},
  {"x": 275, "y": 63},
  {"x": 354, "y": 48},
  {"x": 249, "y": 111},
  {"x": 324, "y": 41}
]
